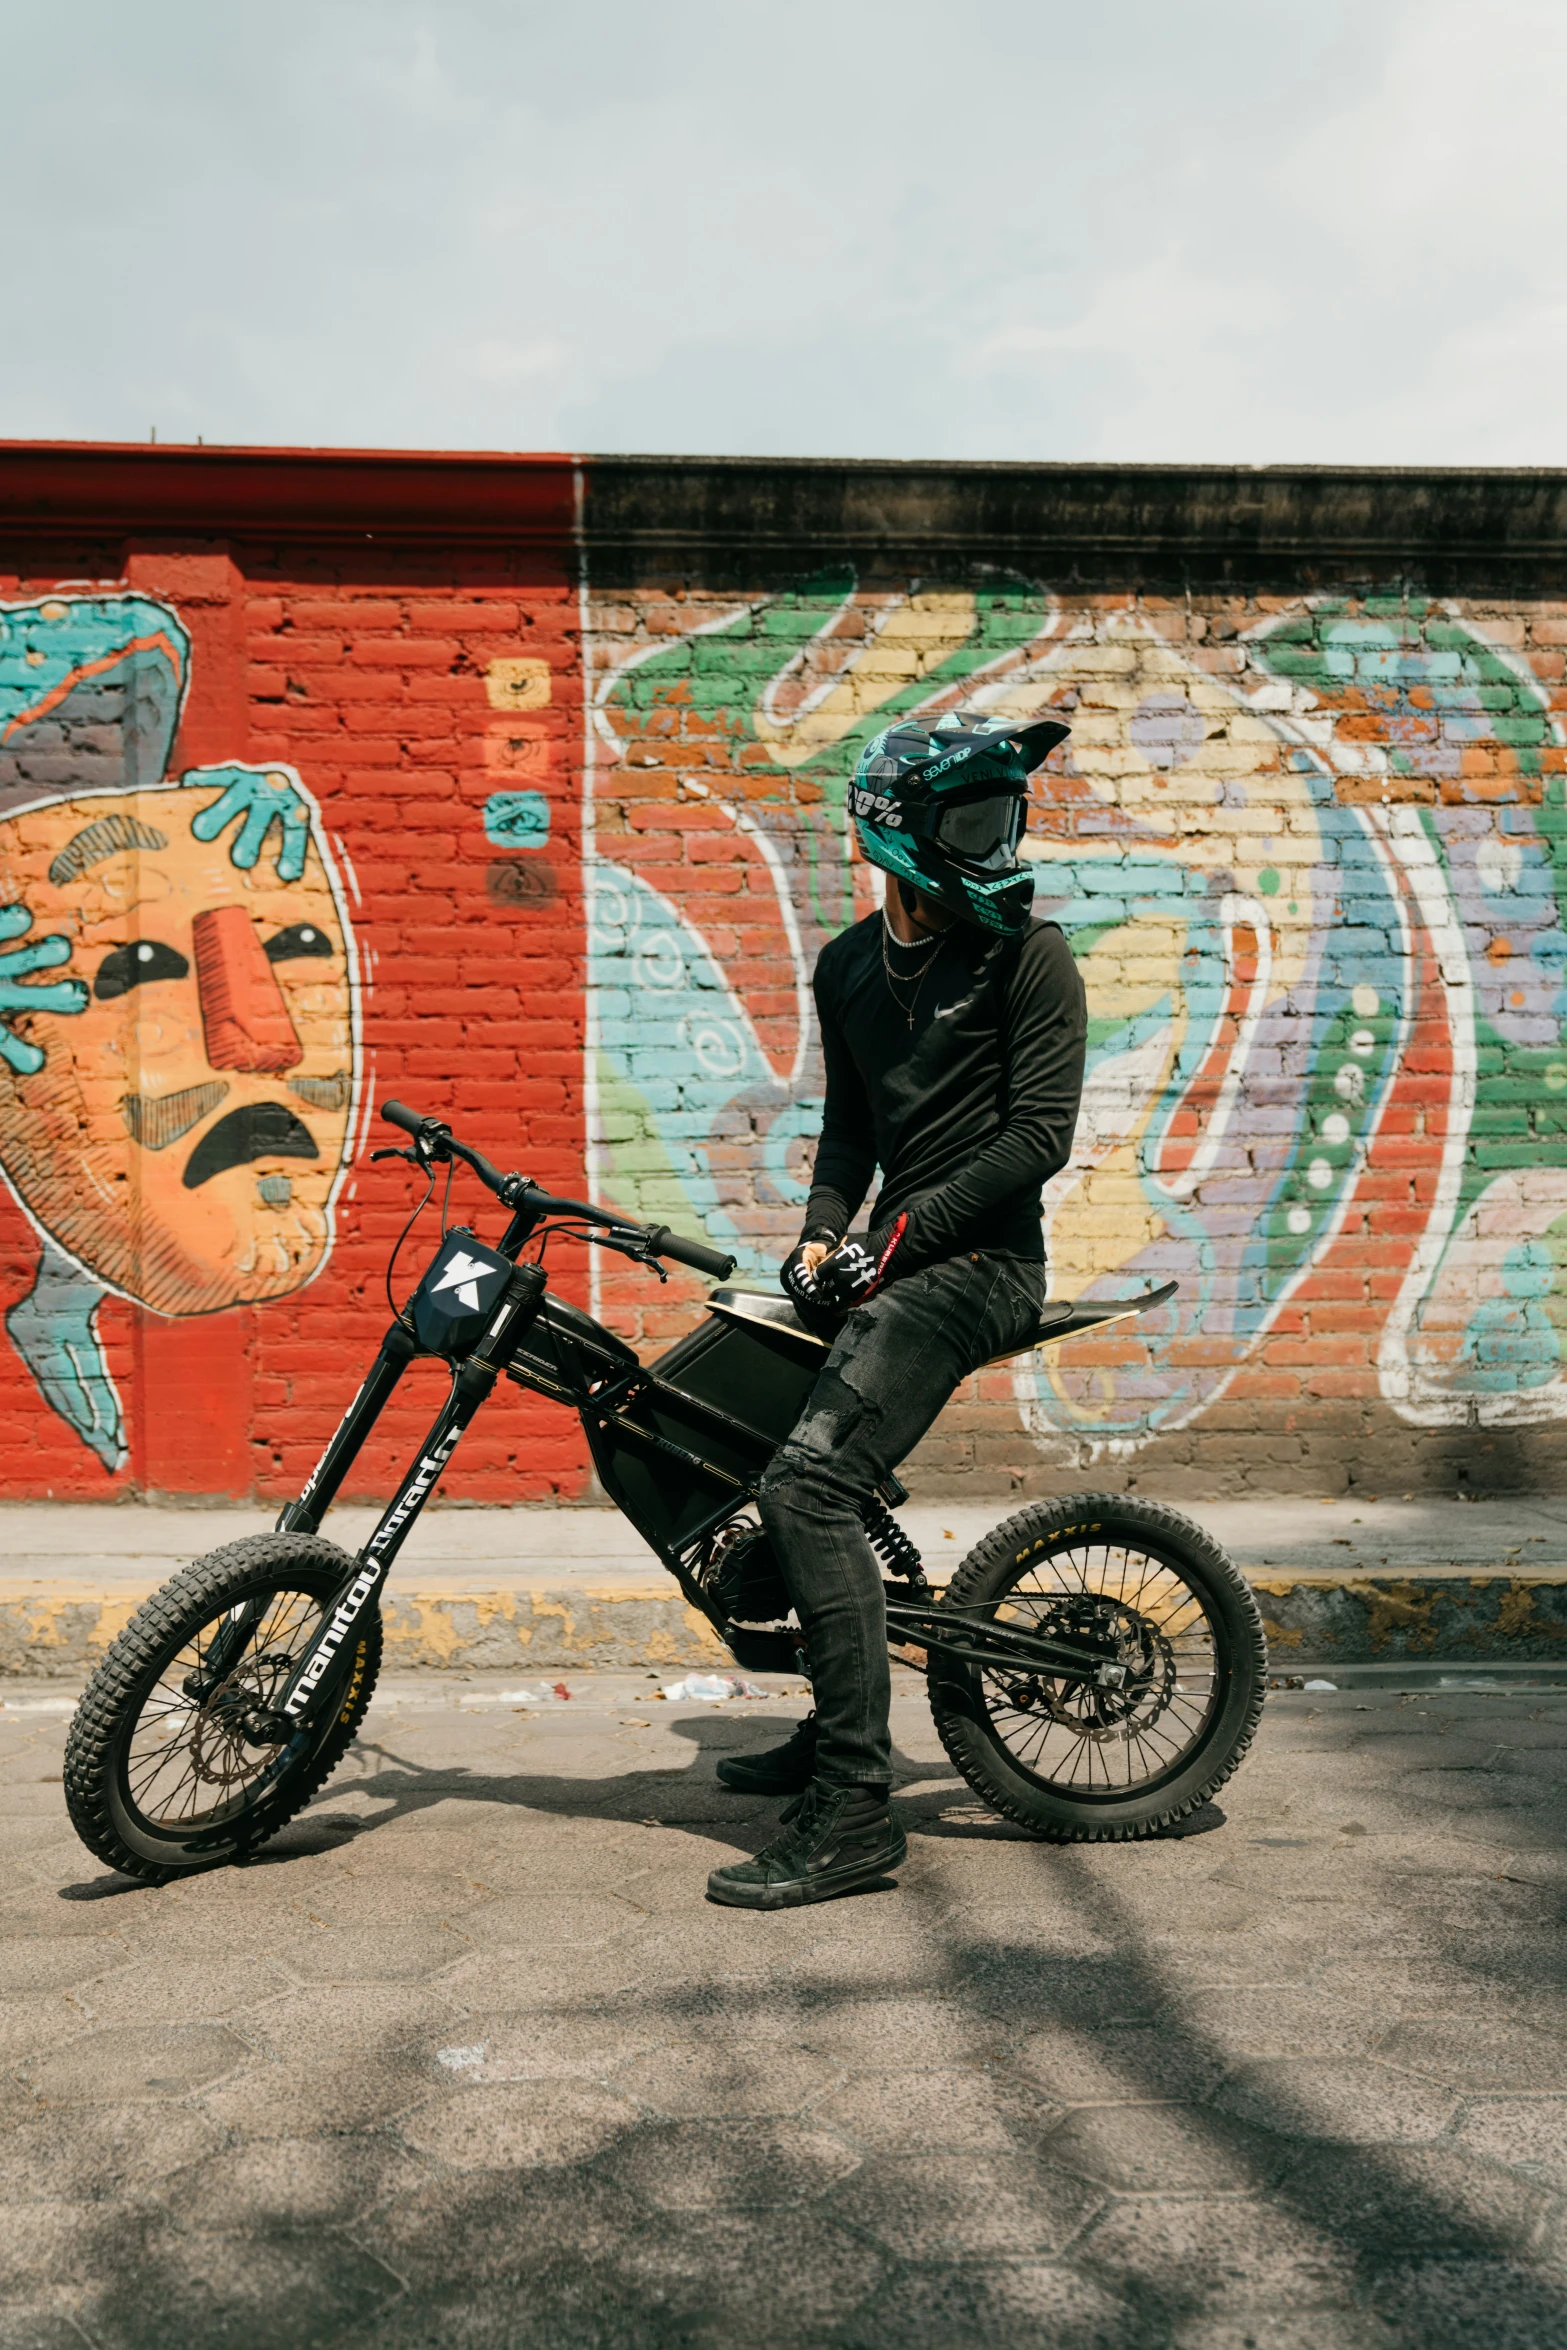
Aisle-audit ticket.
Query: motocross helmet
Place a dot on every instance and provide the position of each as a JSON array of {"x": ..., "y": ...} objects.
[{"x": 943, "y": 808}]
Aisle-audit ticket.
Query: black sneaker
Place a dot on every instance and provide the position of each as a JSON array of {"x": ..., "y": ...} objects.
[
  {"x": 782, "y": 1770},
  {"x": 833, "y": 1839}
]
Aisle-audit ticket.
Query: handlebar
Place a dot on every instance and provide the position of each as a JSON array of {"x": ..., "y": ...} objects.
[
  {"x": 436, "y": 1140},
  {"x": 661, "y": 1242}
]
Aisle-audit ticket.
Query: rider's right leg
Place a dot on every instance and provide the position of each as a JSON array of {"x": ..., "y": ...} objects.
[
  {"x": 893, "y": 1367},
  {"x": 891, "y": 1371}
]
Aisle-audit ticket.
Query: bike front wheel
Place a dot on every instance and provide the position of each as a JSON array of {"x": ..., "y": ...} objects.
[
  {"x": 161, "y": 1778},
  {"x": 1073, "y": 1762}
]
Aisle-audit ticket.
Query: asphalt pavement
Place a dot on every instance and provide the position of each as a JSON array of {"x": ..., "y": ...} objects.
[{"x": 466, "y": 2058}]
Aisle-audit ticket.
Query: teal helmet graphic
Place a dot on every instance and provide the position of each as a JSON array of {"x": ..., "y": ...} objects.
[{"x": 943, "y": 807}]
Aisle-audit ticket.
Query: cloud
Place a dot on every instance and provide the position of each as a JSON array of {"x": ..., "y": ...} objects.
[{"x": 1235, "y": 230}]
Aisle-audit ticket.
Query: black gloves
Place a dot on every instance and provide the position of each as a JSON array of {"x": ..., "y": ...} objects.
[
  {"x": 848, "y": 1277},
  {"x": 799, "y": 1285}
]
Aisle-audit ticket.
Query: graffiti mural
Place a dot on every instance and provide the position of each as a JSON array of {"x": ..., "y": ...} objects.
[
  {"x": 1312, "y": 865},
  {"x": 178, "y": 1011}
]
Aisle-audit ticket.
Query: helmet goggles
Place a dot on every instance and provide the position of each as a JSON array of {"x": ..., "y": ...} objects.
[{"x": 983, "y": 832}]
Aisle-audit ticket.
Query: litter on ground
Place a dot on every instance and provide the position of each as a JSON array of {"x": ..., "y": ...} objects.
[{"x": 713, "y": 1687}]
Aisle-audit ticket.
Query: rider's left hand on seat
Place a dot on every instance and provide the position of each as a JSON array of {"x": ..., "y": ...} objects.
[{"x": 858, "y": 1268}]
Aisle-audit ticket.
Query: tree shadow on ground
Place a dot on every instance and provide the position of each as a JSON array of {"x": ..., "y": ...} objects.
[{"x": 1147, "y": 2180}]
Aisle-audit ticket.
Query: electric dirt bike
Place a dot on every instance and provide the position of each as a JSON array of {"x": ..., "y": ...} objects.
[{"x": 1096, "y": 1666}]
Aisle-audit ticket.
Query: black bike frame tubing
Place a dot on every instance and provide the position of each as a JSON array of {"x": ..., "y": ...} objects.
[
  {"x": 304, "y": 1516},
  {"x": 398, "y": 1350},
  {"x": 473, "y": 1382},
  {"x": 322, "y": 1486}
]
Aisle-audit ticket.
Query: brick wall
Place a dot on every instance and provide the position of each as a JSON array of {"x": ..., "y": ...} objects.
[{"x": 559, "y": 755}]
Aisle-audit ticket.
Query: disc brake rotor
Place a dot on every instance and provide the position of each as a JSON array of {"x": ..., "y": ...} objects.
[{"x": 1086, "y": 1708}]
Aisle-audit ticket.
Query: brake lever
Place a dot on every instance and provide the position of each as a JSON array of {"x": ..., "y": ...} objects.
[
  {"x": 624, "y": 1248},
  {"x": 392, "y": 1152}
]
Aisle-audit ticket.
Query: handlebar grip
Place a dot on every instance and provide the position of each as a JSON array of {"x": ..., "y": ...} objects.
[
  {"x": 664, "y": 1243},
  {"x": 396, "y": 1115}
]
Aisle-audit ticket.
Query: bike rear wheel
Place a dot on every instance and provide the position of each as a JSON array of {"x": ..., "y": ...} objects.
[
  {"x": 161, "y": 1783},
  {"x": 1076, "y": 1763}
]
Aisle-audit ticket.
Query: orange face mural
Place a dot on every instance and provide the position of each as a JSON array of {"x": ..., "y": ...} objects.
[
  {"x": 177, "y": 1094},
  {"x": 183, "y": 1136}
]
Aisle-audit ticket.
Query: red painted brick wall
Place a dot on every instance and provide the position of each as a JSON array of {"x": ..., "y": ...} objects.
[{"x": 403, "y": 699}]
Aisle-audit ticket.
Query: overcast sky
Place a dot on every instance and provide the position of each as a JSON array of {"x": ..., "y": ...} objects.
[{"x": 1255, "y": 230}]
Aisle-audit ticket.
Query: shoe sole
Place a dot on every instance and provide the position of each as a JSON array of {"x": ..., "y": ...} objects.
[{"x": 804, "y": 1890}]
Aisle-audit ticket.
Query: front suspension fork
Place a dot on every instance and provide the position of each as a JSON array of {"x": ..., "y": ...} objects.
[
  {"x": 313, "y": 1687},
  {"x": 304, "y": 1516}
]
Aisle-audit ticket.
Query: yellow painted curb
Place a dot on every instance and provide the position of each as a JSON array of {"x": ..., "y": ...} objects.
[{"x": 67, "y": 1628}]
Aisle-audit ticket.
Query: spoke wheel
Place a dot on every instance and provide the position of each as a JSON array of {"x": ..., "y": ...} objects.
[
  {"x": 1077, "y": 1762},
  {"x": 169, "y": 1766}
]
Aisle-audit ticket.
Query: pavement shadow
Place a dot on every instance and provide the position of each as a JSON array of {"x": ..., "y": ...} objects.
[
  {"x": 1267, "y": 2197},
  {"x": 1197, "y": 2194}
]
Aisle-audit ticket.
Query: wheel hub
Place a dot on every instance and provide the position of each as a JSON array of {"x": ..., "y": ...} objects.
[{"x": 1133, "y": 1689}]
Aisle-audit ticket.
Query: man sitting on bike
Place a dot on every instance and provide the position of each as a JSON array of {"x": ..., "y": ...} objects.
[{"x": 953, "y": 1031}]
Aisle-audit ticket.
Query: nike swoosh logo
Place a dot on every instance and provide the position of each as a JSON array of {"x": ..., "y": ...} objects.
[{"x": 949, "y": 1011}]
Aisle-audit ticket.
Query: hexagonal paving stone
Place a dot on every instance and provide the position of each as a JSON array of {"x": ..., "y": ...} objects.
[
  {"x": 492, "y": 2226},
  {"x": 966, "y": 2206},
  {"x": 38, "y": 2329},
  {"x": 391, "y": 1899},
  {"x": 1447, "y": 2304},
  {"x": 1279, "y": 2022},
  {"x": 1530, "y": 2132},
  {"x": 1169, "y": 2149},
  {"x": 296, "y": 2100},
  {"x": 904, "y": 2031},
  {"x": 1478, "y": 2052},
  {"x": 974, "y": 2111},
  {"x": 507, "y": 1981},
  {"x": 369, "y": 1954},
  {"x": 549, "y": 1921},
  {"x": 1399, "y": 2198},
  {"x": 693, "y": 2166},
  {"x": 86, "y": 2150},
  {"x": 696, "y": 2078},
  {"x": 538, "y": 2047},
  {"x": 987, "y": 2304},
  {"x": 1220, "y": 2256},
  {"x": 155, "y": 1987},
  {"x": 1291, "y": 2329},
  {"x": 1346, "y": 2098},
  {"x": 329, "y": 2019},
  {"x": 285, "y": 2292},
  {"x": 289, "y": 2183},
  {"x": 717, "y": 2278},
  {"x": 513, "y": 2126},
  {"x": 46, "y": 2245},
  {"x": 52, "y": 1962},
  {"x": 42, "y": 2019},
  {"x": 1124, "y": 2063},
  {"x": 132, "y": 2061}
]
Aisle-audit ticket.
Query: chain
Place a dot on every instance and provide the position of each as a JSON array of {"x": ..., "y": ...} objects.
[{"x": 895, "y": 979}]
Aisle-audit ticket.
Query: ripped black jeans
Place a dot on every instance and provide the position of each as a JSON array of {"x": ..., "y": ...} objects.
[{"x": 895, "y": 1363}]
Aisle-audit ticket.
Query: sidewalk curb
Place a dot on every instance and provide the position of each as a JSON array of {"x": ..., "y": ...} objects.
[
  {"x": 606, "y": 1629},
  {"x": 1329, "y": 1618},
  {"x": 1312, "y": 1616}
]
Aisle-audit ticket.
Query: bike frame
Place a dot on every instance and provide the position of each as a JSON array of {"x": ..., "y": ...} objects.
[{"x": 714, "y": 1464}]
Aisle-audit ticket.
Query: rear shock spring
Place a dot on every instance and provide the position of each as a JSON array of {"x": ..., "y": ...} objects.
[{"x": 898, "y": 1554}]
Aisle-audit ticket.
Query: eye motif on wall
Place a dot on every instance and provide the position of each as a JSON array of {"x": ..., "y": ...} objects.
[
  {"x": 300, "y": 939},
  {"x": 146, "y": 959},
  {"x": 134, "y": 965}
]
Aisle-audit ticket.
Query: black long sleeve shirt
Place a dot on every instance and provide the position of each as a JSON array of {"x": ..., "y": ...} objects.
[{"x": 967, "y": 1113}]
